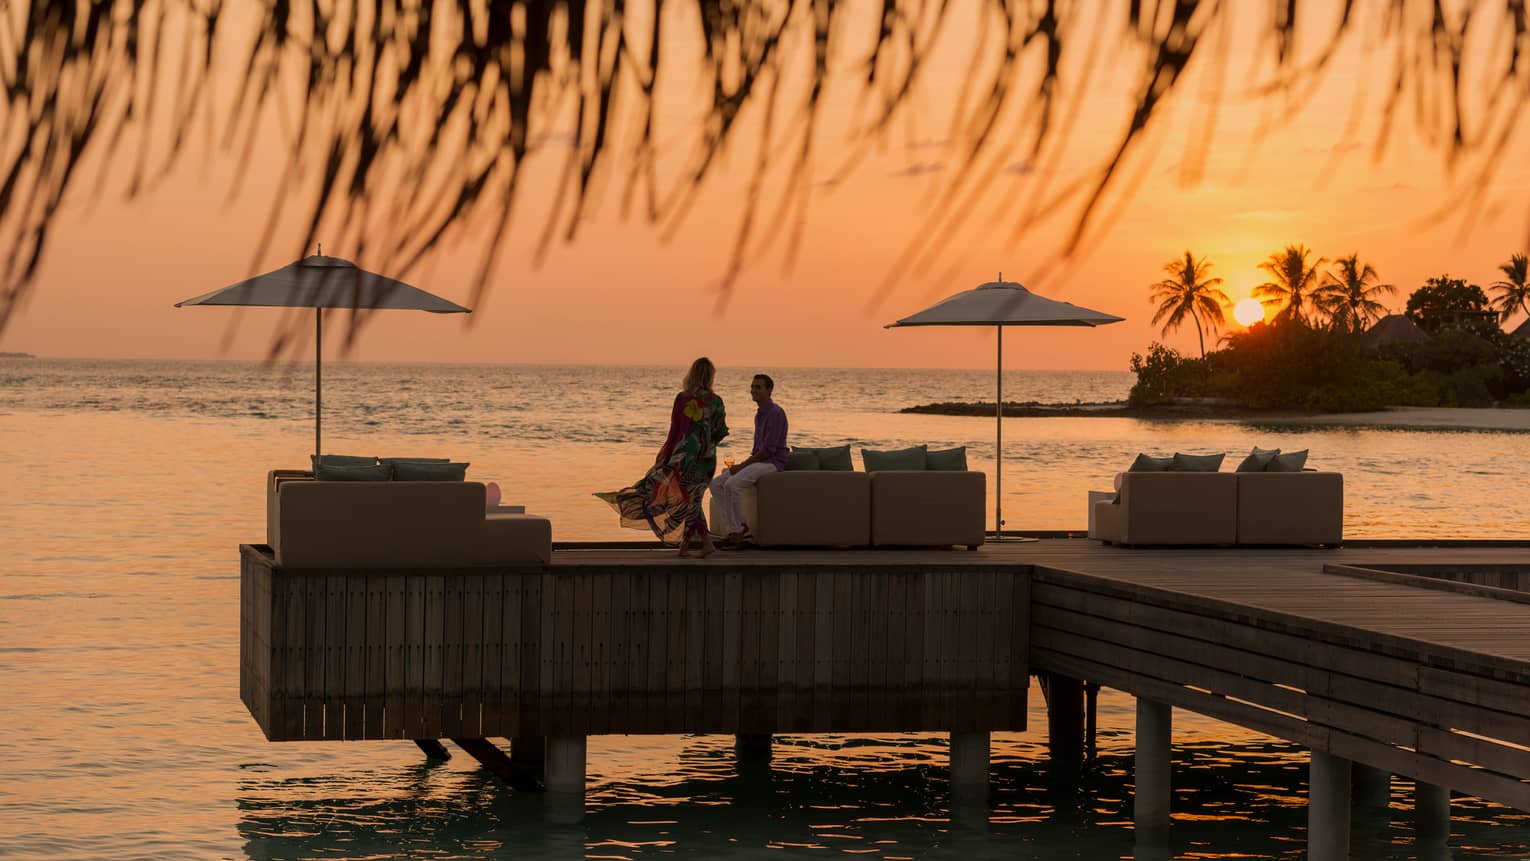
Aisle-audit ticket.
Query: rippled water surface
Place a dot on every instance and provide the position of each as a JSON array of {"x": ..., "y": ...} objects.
[{"x": 128, "y": 486}]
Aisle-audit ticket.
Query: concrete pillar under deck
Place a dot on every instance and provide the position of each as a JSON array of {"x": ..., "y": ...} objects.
[
  {"x": 565, "y": 763},
  {"x": 1154, "y": 768},
  {"x": 969, "y": 762},
  {"x": 1328, "y": 800},
  {"x": 1431, "y": 812}
]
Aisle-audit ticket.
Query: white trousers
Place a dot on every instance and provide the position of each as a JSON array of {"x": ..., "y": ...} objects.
[{"x": 728, "y": 489}]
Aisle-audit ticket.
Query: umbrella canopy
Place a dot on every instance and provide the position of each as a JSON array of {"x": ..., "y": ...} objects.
[
  {"x": 320, "y": 282},
  {"x": 1003, "y": 303}
]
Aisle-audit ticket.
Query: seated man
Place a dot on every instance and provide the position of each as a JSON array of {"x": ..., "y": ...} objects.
[{"x": 768, "y": 455}]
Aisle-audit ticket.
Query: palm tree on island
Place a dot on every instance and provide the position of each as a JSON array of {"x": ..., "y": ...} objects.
[
  {"x": 1293, "y": 281},
  {"x": 1190, "y": 293},
  {"x": 1514, "y": 291},
  {"x": 1348, "y": 295}
]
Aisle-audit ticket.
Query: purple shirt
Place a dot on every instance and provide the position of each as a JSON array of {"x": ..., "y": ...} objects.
[{"x": 770, "y": 435}]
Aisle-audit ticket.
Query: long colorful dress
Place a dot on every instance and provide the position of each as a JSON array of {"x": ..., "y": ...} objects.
[{"x": 668, "y": 499}]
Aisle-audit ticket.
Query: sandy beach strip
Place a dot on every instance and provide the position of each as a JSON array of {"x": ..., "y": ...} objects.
[
  {"x": 1447, "y": 418},
  {"x": 1433, "y": 418}
]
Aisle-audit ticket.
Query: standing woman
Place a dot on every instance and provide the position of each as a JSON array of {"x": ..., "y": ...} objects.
[{"x": 668, "y": 499}]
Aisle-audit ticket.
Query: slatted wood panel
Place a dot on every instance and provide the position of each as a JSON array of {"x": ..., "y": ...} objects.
[
  {"x": 603, "y": 648},
  {"x": 1424, "y": 715}
]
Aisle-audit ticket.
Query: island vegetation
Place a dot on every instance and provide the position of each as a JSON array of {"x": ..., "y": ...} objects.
[{"x": 1327, "y": 343}]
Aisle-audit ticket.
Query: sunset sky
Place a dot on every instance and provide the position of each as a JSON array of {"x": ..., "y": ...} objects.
[{"x": 621, "y": 294}]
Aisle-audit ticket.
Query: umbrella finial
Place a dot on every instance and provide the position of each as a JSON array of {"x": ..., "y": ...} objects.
[{"x": 320, "y": 252}]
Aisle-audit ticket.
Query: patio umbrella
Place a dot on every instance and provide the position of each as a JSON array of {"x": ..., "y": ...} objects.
[
  {"x": 1002, "y": 303},
  {"x": 320, "y": 282}
]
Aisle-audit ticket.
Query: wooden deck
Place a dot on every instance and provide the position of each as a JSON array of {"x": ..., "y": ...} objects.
[{"x": 1425, "y": 682}]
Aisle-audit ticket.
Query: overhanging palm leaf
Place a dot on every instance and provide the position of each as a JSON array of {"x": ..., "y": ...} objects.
[
  {"x": 1188, "y": 292},
  {"x": 1348, "y": 295},
  {"x": 1514, "y": 291}
]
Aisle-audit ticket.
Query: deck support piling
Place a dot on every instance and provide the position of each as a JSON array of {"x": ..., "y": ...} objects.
[
  {"x": 969, "y": 763},
  {"x": 1065, "y": 716},
  {"x": 1091, "y": 715},
  {"x": 490, "y": 756},
  {"x": 529, "y": 752},
  {"x": 1328, "y": 800},
  {"x": 565, "y": 763},
  {"x": 756, "y": 746},
  {"x": 1372, "y": 787},
  {"x": 433, "y": 749},
  {"x": 1431, "y": 812},
  {"x": 1154, "y": 769}
]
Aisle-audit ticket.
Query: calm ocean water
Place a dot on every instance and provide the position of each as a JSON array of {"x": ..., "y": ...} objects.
[{"x": 129, "y": 485}]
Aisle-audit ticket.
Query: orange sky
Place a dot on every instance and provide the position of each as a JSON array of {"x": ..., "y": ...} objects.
[{"x": 620, "y": 295}]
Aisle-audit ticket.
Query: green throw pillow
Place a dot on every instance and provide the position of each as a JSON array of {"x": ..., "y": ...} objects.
[
  {"x": 912, "y": 457},
  {"x": 374, "y": 472},
  {"x": 391, "y": 460},
  {"x": 407, "y": 471},
  {"x": 1148, "y": 463},
  {"x": 802, "y": 458},
  {"x": 1291, "y": 461},
  {"x": 836, "y": 458},
  {"x": 952, "y": 459},
  {"x": 1258, "y": 459},
  {"x": 340, "y": 460},
  {"x": 1195, "y": 462}
]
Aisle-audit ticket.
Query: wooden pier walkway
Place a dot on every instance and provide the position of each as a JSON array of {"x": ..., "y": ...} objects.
[{"x": 1425, "y": 682}]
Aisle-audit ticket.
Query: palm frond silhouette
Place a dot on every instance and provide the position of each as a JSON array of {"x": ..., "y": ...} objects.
[{"x": 414, "y": 119}]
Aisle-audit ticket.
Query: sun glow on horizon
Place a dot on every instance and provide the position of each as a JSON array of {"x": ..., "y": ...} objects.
[{"x": 1248, "y": 312}]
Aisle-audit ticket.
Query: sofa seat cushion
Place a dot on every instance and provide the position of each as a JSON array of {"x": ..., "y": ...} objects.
[
  {"x": 821, "y": 508},
  {"x": 928, "y": 508},
  {"x": 1172, "y": 508},
  {"x": 1290, "y": 508}
]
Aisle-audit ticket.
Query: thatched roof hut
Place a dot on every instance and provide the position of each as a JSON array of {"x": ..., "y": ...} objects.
[
  {"x": 1392, "y": 329},
  {"x": 1523, "y": 331}
]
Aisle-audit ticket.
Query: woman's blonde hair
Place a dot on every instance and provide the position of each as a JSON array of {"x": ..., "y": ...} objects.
[{"x": 699, "y": 378}]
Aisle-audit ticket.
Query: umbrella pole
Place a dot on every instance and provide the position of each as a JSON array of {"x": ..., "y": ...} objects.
[
  {"x": 318, "y": 382},
  {"x": 998, "y": 446}
]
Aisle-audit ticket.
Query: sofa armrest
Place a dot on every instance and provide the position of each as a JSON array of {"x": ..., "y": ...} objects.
[
  {"x": 1290, "y": 508},
  {"x": 274, "y": 480}
]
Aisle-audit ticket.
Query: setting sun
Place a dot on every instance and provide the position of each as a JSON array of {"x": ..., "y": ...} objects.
[{"x": 1248, "y": 312}]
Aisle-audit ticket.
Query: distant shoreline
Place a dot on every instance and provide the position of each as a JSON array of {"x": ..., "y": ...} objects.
[
  {"x": 1446, "y": 418},
  {"x": 17, "y": 356}
]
